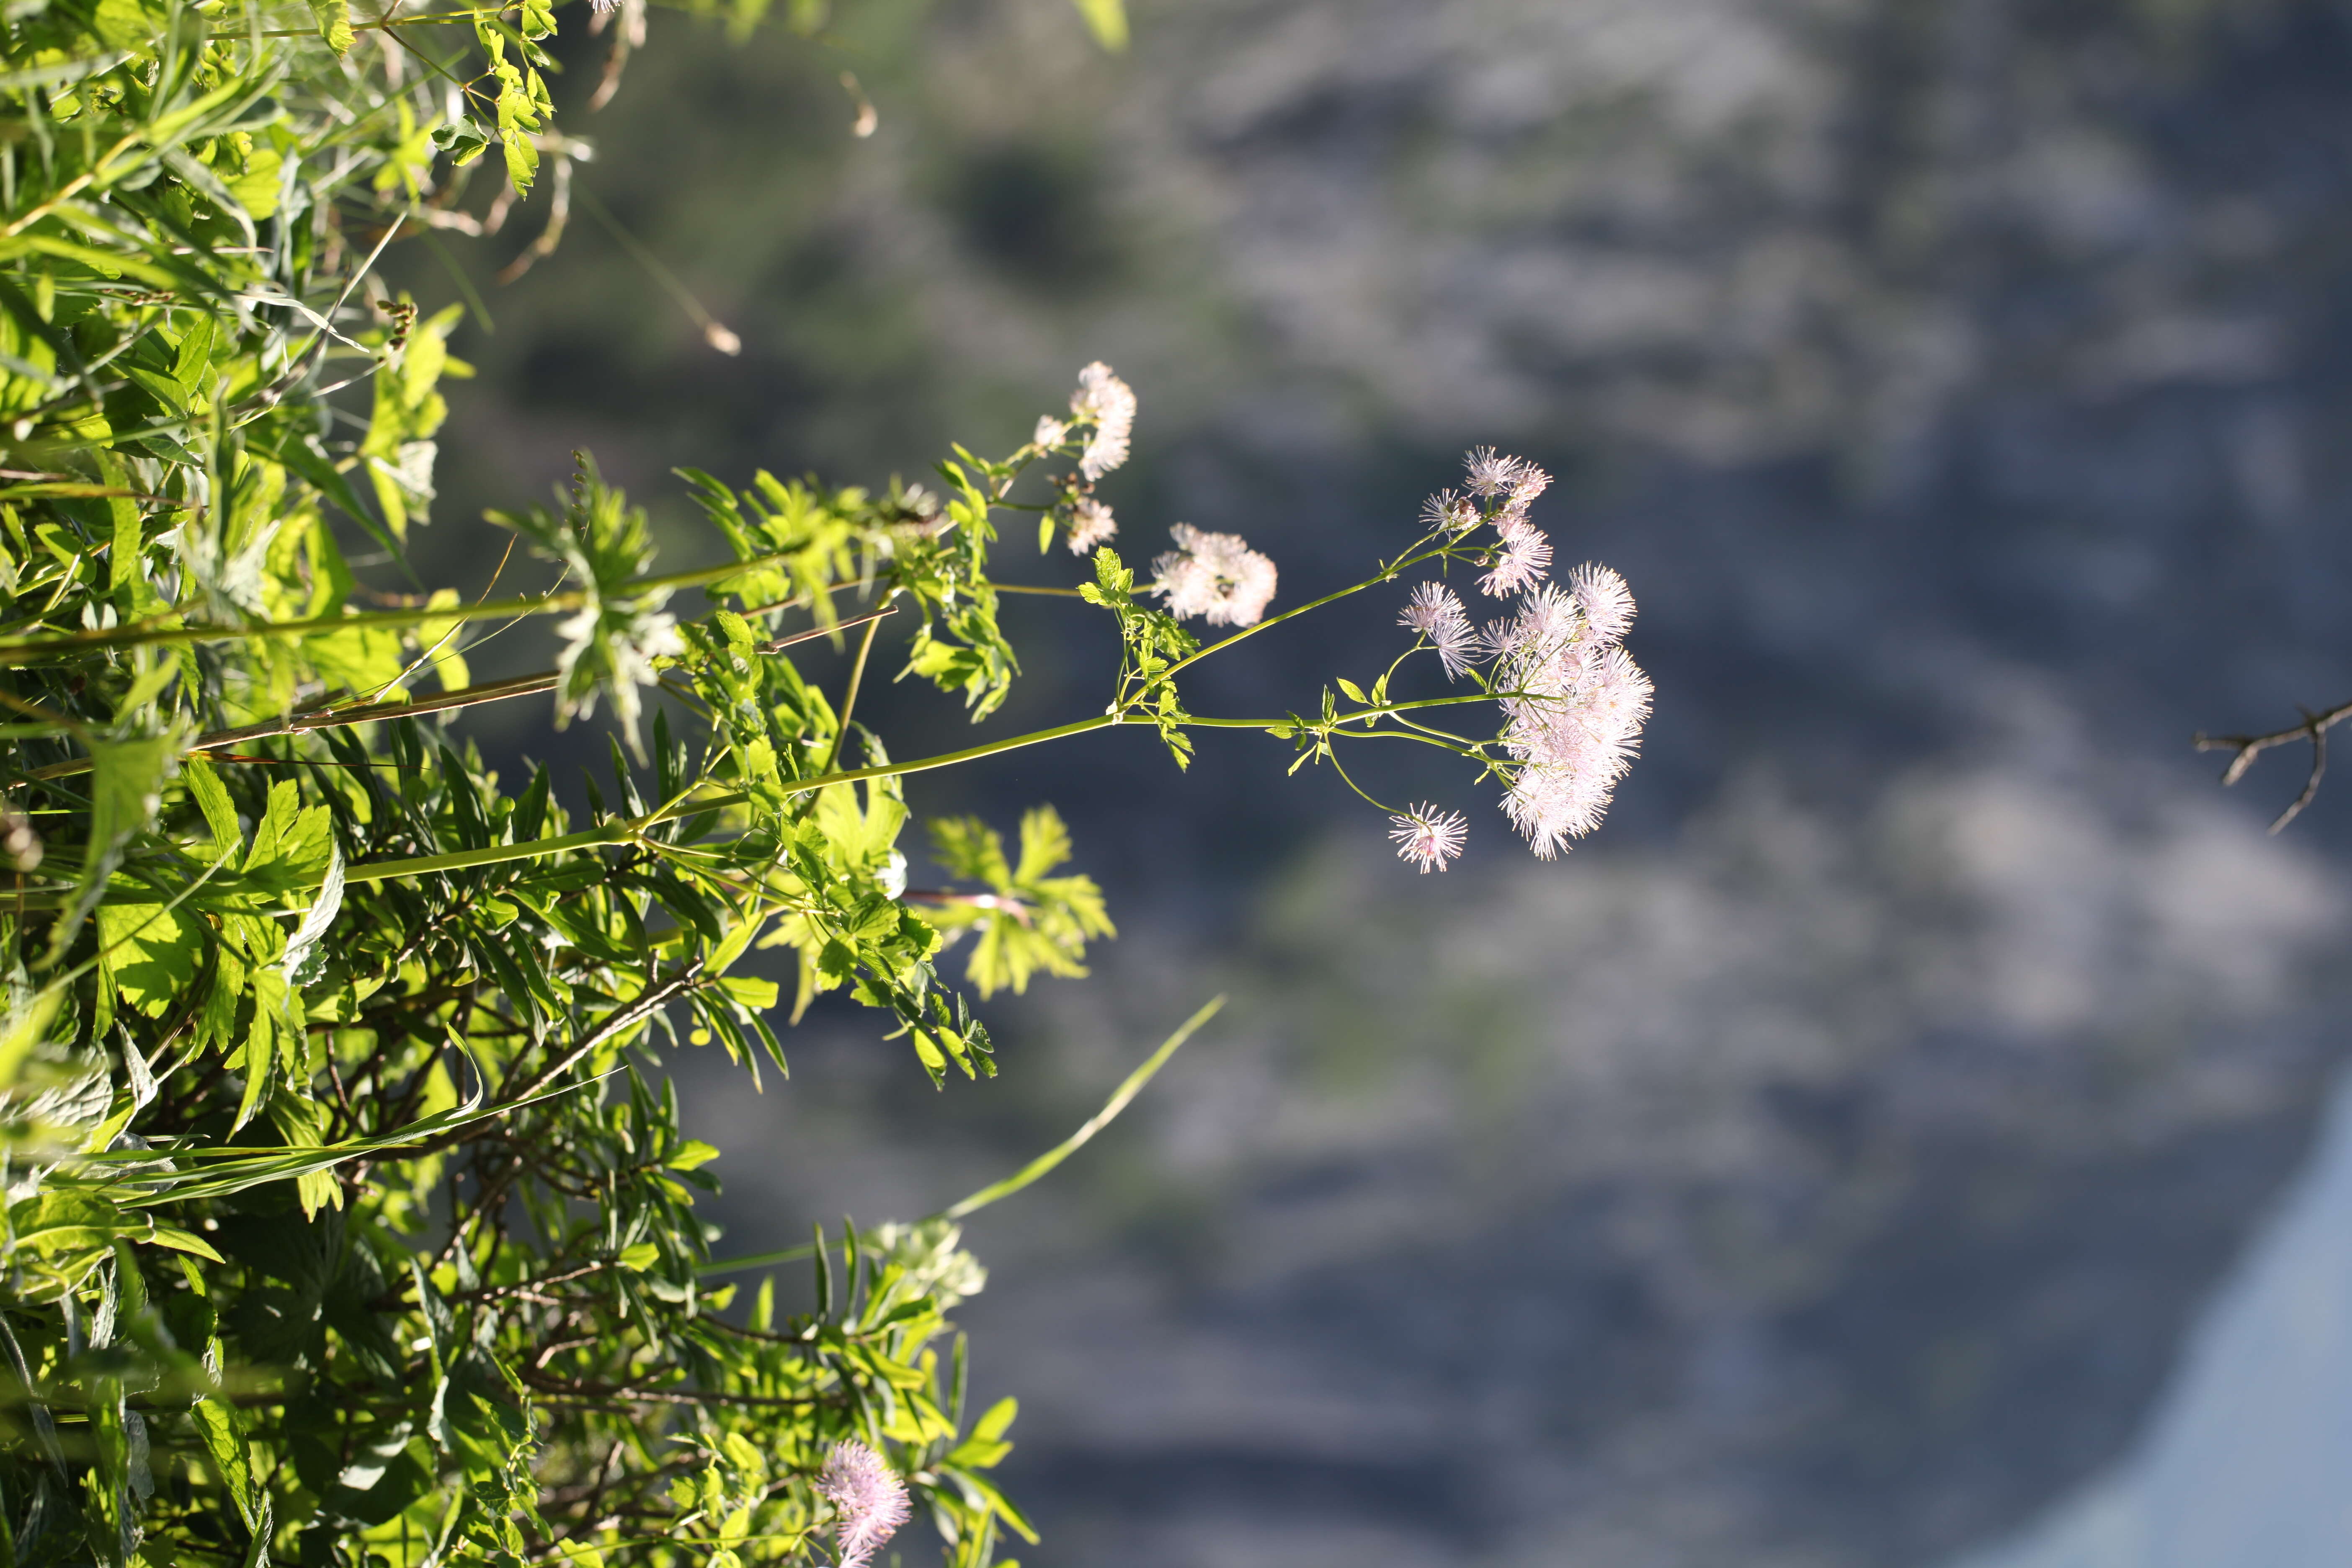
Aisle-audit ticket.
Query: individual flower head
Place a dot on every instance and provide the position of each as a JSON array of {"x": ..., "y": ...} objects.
[
  {"x": 1520, "y": 562},
  {"x": 20, "y": 846},
  {"x": 1437, "y": 615},
  {"x": 1091, "y": 524},
  {"x": 1428, "y": 838},
  {"x": 869, "y": 1501},
  {"x": 1107, "y": 404},
  {"x": 1495, "y": 640},
  {"x": 1215, "y": 575},
  {"x": 1514, "y": 479},
  {"x": 1528, "y": 644},
  {"x": 1050, "y": 433},
  {"x": 1606, "y": 601},
  {"x": 1450, "y": 511},
  {"x": 920, "y": 513},
  {"x": 611, "y": 648}
]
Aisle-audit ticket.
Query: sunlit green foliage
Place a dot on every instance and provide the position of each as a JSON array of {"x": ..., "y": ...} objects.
[
  {"x": 1026, "y": 920},
  {"x": 348, "y": 1217}
]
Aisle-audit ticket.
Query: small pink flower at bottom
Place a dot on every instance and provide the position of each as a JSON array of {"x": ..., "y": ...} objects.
[
  {"x": 1428, "y": 838},
  {"x": 869, "y": 1501}
]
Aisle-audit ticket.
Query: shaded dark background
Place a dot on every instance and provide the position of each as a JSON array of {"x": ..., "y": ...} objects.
[{"x": 1819, "y": 1166}]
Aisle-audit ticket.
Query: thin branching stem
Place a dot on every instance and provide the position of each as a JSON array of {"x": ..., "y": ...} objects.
[
  {"x": 147, "y": 633},
  {"x": 2313, "y": 728}
]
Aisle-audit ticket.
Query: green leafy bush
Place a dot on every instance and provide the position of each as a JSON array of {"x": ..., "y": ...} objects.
[{"x": 349, "y": 1219}]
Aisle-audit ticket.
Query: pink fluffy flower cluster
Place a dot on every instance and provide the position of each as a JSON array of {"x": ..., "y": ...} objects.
[
  {"x": 1573, "y": 700},
  {"x": 1106, "y": 405},
  {"x": 1214, "y": 575},
  {"x": 869, "y": 1501}
]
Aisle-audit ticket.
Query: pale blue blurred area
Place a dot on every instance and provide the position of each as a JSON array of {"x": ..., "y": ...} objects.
[{"x": 2248, "y": 1460}]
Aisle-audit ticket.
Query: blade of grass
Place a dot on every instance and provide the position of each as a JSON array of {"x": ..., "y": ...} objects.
[{"x": 1121, "y": 1098}]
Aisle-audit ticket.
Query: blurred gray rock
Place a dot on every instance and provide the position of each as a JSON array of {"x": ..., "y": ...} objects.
[{"x": 1818, "y": 1169}]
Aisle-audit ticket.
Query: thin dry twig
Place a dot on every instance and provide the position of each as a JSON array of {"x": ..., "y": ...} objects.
[{"x": 2313, "y": 728}]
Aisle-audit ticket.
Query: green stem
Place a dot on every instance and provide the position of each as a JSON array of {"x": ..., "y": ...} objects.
[
  {"x": 1387, "y": 574},
  {"x": 948, "y": 758},
  {"x": 1432, "y": 738},
  {"x": 849, "y": 698},
  {"x": 654, "y": 268},
  {"x": 1384, "y": 708},
  {"x": 1120, "y": 1099},
  {"x": 1118, "y": 1103},
  {"x": 1426, "y": 737},
  {"x": 1352, "y": 785},
  {"x": 336, "y": 718},
  {"x": 621, "y": 830},
  {"x": 490, "y": 609},
  {"x": 416, "y": 706},
  {"x": 625, "y": 830},
  {"x": 62, "y": 722},
  {"x": 1294, "y": 723}
]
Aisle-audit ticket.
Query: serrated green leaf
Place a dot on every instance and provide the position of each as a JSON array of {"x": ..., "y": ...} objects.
[
  {"x": 1045, "y": 843},
  {"x": 223, "y": 1433},
  {"x": 334, "y": 20},
  {"x": 152, "y": 952}
]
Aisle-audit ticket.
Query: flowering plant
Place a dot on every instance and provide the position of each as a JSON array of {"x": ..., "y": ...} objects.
[{"x": 348, "y": 1217}]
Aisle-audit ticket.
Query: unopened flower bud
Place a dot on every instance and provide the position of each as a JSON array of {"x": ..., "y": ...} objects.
[{"x": 18, "y": 843}]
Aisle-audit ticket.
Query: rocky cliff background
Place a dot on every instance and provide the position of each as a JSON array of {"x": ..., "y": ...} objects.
[{"x": 1820, "y": 1166}]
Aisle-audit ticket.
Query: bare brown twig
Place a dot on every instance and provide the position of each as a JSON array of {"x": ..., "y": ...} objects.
[{"x": 2313, "y": 728}]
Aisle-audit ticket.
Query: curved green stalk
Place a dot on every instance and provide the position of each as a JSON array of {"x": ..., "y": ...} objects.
[
  {"x": 1118, "y": 1103},
  {"x": 1131, "y": 1086},
  {"x": 849, "y": 698}
]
